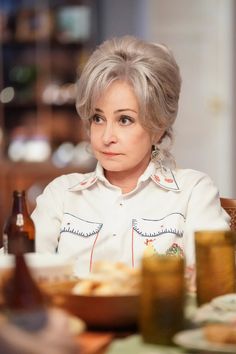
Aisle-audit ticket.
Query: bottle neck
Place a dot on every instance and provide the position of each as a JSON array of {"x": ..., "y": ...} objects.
[{"x": 19, "y": 204}]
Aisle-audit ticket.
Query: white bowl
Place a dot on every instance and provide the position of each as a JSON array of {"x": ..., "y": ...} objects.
[
  {"x": 6, "y": 267},
  {"x": 45, "y": 267}
]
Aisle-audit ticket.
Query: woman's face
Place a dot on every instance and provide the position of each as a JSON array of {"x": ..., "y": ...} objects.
[{"x": 118, "y": 140}]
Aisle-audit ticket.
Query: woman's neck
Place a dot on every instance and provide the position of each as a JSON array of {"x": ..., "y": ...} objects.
[
  {"x": 125, "y": 184},
  {"x": 125, "y": 180}
]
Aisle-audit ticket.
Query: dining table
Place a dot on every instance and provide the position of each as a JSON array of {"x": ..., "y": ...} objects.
[
  {"x": 94, "y": 342},
  {"x": 100, "y": 340},
  {"x": 131, "y": 341},
  {"x": 127, "y": 341}
]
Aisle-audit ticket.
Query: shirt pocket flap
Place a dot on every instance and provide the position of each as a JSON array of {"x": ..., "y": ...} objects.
[
  {"x": 170, "y": 224},
  {"x": 74, "y": 225}
]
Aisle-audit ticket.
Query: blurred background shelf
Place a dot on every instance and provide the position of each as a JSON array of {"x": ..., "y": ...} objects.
[{"x": 43, "y": 48}]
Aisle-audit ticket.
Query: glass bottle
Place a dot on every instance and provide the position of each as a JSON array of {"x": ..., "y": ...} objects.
[
  {"x": 24, "y": 303},
  {"x": 19, "y": 230}
]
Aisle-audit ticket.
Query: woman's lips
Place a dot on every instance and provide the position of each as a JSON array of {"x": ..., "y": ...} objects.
[{"x": 110, "y": 153}]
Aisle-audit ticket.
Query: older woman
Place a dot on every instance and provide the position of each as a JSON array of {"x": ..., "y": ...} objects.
[{"x": 136, "y": 198}]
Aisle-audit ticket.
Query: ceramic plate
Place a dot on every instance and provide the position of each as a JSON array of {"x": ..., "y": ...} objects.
[
  {"x": 225, "y": 302},
  {"x": 194, "y": 339},
  {"x": 208, "y": 313}
]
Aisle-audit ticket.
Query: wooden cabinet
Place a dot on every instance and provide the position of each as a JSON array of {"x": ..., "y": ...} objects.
[{"x": 43, "y": 47}]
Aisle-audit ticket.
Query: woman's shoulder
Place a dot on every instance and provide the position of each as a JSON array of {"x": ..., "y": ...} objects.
[
  {"x": 189, "y": 173},
  {"x": 191, "y": 176}
]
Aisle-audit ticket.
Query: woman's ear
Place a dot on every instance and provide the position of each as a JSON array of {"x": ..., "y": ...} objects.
[{"x": 157, "y": 137}]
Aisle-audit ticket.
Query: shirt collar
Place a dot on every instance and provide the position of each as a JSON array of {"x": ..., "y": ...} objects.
[
  {"x": 163, "y": 177},
  {"x": 85, "y": 183},
  {"x": 90, "y": 179}
]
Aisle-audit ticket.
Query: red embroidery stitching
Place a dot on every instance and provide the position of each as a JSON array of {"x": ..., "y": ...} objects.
[
  {"x": 147, "y": 241},
  {"x": 157, "y": 178},
  {"x": 169, "y": 180},
  {"x": 83, "y": 183}
]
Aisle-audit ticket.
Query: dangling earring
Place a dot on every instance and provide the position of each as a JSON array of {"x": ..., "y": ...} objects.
[
  {"x": 155, "y": 153},
  {"x": 157, "y": 157}
]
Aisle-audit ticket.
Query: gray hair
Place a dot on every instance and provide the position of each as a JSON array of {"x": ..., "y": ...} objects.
[{"x": 152, "y": 72}]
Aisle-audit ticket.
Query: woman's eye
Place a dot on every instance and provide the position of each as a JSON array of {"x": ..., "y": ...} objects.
[
  {"x": 126, "y": 120},
  {"x": 97, "y": 119}
]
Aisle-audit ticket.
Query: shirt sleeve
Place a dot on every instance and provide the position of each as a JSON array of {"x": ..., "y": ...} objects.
[
  {"x": 47, "y": 216},
  {"x": 204, "y": 212}
]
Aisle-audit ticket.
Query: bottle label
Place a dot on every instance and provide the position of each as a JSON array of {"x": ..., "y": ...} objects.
[
  {"x": 5, "y": 243},
  {"x": 19, "y": 219}
]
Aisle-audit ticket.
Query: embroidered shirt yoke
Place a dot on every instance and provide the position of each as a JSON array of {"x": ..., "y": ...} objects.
[{"x": 87, "y": 218}]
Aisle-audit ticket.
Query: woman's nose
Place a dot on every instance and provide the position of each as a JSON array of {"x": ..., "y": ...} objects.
[{"x": 109, "y": 134}]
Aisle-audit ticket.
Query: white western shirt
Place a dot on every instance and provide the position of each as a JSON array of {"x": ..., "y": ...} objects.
[{"x": 88, "y": 219}]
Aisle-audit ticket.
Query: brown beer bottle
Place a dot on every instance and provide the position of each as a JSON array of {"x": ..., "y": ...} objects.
[
  {"x": 19, "y": 230},
  {"x": 24, "y": 303}
]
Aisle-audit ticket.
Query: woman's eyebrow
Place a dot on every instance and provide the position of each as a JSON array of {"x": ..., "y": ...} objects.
[
  {"x": 118, "y": 110},
  {"x": 125, "y": 109}
]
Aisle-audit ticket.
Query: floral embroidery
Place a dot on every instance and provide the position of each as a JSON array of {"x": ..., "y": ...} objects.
[
  {"x": 149, "y": 249},
  {"x": 175, "y": 250},
  {"x": 147, "y": 241}
]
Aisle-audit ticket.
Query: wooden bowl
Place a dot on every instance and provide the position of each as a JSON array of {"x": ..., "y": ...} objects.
[
  {"x": 102, "y": 312},
  {"x": 114, "y": 312}
]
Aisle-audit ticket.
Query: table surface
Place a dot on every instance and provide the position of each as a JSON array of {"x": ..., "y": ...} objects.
[
  {"x": 99, "y": 342},
  {"x": 91, "y": 342},
  {"x": 112, "y": 343}
]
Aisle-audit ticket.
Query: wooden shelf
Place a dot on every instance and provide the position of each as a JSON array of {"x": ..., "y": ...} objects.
[{"x": 51, "y": 60}]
